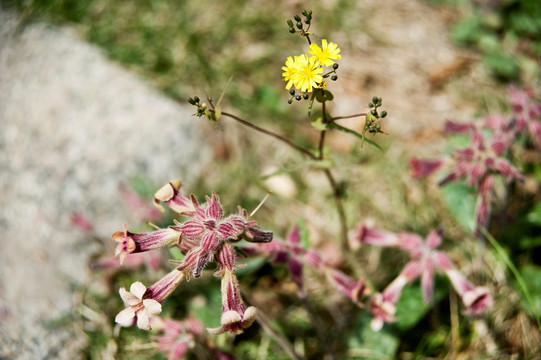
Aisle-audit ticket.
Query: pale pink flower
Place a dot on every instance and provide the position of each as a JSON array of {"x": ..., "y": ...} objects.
[
  {"x": 139, "y": 309},
  {"x": 425, "y": 260},
  {"x": 129, "y": 242},
  {"x": 170, "y": 195},
  {"x": 355, "y": 290},
  {"x": 475, "y": 298},
  {"x": 209, "y": 227},
  {"x": 383, "y": 305},
  {"x": 143, "y": 303},
  {"x": 477, "y": 164},
  {"x": 175, "y": 340},
  {"x": 235, "y": 316},
  {"x": 527, "y": 112}
]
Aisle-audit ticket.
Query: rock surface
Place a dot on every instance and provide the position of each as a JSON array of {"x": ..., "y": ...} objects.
[{"x": 72, "y": 127}]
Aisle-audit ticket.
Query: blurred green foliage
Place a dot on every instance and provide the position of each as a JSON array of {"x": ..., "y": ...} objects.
[{"x": 507, "y": 32}]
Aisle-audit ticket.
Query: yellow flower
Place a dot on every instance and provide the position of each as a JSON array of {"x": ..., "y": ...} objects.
[
  {"x": 326, "y": 53},
  {"x": 308, "y": 73},
  {"x": 290, "y": 71}
]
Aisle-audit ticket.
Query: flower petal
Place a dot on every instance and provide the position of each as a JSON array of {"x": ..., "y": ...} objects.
[
  {"x": 152, "y": 307},
  {"x": 138, "y": 289},
  {"x": 125, "y": 317}
]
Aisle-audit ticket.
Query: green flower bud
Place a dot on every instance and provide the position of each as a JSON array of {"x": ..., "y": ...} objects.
[
  {"x": 298, "y": 98},
  {"x": 305, "y": 96},
  {"x": 196, "y": 98},
  {"x": 292, "y": 92},
  {"x": 383, "y": 114},
  {"x": 191, "y": 101},
  {"x": 290, "y": 23},
  {"x": 374, "y": 113},
  {"x": 304, "y": 12},
  {"x": 290, "y": 101},
  {"x": 335, "y": 66},
  {"x": 299, "y": 25},
  {"x": 370, "y": 105},
  {"x": 297, "y": 18},
  {"x": 307, "y": 21},
  {"x": 334, "y": 78},
  {"x": 375, "y": 100},
  {"x": 291, "y": 30}
]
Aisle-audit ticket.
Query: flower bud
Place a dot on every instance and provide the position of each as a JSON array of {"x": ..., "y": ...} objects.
[
  {"x": 291, "y": 30},
  {"x": 299, "y": 25},
  {"x": 334, "y": 78},
  {"x": 290, "y": 23},
  {"x": 297, "y": 18},
  {"x": 383, "y": 114},
  {"x": 335, "y": 66}
]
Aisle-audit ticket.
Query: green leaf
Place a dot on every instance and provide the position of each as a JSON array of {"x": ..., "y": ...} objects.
[
  {"x": 323, "y": 96},
  {"x": 467, "y": 31},
  {"x": 534, "y": 216},
  {"x": 208, "y": 308},
  {"x": 318, "y": 124},
  {"x": 364, "y": 343},
  {"x": 461, "y": 200},
  {"x": 411, "y": 307},
  {"x": 532, "y": 278},
  {"x": 252, "y": 265},
  {"x": 174, "y": 252},
  {"x": 504, "y": 67},
  {"x": 527, "y": 243}
]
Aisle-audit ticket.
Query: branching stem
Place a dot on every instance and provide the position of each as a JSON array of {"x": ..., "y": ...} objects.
[{"x": 337, "y": 194}]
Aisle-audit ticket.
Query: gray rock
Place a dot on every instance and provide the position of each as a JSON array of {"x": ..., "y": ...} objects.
[{"x": 72, "y": 127}]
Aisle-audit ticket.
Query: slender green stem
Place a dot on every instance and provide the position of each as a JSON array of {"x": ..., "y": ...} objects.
[
  {"x": 272, "y": 134},
  {"x": 520, "y": 280},
  {"x": 347, "y": 117},
  {"x": 337, "y": 194}
]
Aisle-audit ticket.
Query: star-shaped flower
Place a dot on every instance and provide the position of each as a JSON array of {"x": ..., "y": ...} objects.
[
  {"x": 326, "y": 53},
  {"x": 139, "y": 310}
]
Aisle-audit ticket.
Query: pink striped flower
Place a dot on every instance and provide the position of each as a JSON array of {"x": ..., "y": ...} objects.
[
  {"x": 209, "y": 229},
  {"x": 235, "y": 316},
  {"x": 425, "y": 260},
  {"x": 130, "y": 243},
  {"x": 206, "y": 235},
  {"x": 477, "y": 164},
  {"x": 383, "y": 305},
  {"x": 527, "y": 112}
]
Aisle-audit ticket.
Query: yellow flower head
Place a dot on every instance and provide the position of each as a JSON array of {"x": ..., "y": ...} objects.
[
  {"x": 290, "y": 71},
  {"x": 303, "y": 72},
  {"x": 326, "y": 53}
]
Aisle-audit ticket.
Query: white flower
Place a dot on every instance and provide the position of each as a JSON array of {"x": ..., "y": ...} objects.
[{"x": 138, "y": 307}]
